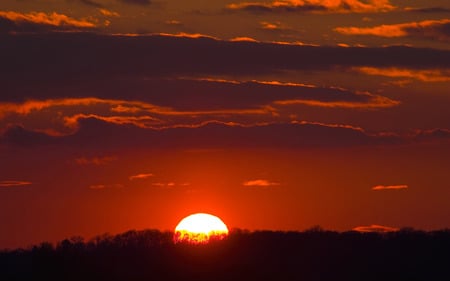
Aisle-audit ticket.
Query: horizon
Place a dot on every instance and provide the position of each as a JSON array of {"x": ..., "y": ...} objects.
[{"x": 374, "y": 230}]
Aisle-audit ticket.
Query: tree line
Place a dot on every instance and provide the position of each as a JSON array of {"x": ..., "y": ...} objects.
[{"x": 315, "y": 254}]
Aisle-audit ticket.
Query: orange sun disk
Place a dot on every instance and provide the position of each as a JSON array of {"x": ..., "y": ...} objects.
[{"x": 200, "y": 228}]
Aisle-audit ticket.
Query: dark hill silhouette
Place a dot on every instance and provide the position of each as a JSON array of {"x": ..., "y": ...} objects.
[{"x": 261, "y": 255}]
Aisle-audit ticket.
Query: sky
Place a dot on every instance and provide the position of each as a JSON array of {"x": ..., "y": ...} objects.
[{"x": 278, "y": 115}]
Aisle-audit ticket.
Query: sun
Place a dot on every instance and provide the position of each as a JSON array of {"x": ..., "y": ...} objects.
[{"x": 200, "y": 228}]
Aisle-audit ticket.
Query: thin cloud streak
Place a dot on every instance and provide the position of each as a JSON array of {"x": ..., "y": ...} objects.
[
  {"x": 390, "y": 187},
  {"x": 430, "y": 75},
  {"x": 14, "y": 183},
  {"x": 106, "y": 186},
  {"x": 260, "y": 182},
  {"x": 168, "y": 185},
  {"x": 97, "y": 161},
  {"x": 375, "y": 228},
  {"x": 430, "y": 29},
  {"x": 140, "y": 176}
]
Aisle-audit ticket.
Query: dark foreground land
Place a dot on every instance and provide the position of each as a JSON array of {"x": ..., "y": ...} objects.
[{"x": 264, "y": 255}]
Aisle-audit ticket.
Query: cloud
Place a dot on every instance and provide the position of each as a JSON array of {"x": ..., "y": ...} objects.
[
  {"x": 140, "y": 176},
  {"x": 315, "y": 6},
  {"x": 429, "y": 75},
  {"x": 164, "y": 184},
  {"x": 95, "y": 160},
  {"x": 106, "y": 186},
  {"x": 260, "y": 182},
  {"x": 375, "y": 228},
  {"x": 137, "y": 2},
  {"x": 390, "y": 187},
  {"x": 174, "y": 22},
  {"x": 164, "y": 56},
  {"x": 432, "y": 135},
  {"x": 170, "y": 106},
  {"x": 94, "y": 132},
  {"x": 108, "y": 13},
  {"x": 14, "y": 183},
  {"x": 243, "y": 39},
  {"x": 428, "y": 29},
  {"x": 428, "y": 10},
  {"x": 35, "y": 21},
  {"x": 90, "y": 3}
]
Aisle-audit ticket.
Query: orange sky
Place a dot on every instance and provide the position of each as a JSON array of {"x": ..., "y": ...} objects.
[{"x": 131, "y": 114}]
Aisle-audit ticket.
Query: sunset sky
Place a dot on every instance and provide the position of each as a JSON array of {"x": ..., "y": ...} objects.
[{"x": 280, "y": 115}]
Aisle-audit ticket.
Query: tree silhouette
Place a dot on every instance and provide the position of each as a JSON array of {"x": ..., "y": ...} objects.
[{"x": 315, "y": 254}]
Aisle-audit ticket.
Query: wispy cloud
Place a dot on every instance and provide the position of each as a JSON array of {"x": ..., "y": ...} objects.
[
  {"x": 260, "y": 182},
  {"x": 14, "y": 183},
  {"x": 427, "y": 10},
  {"x": 108, "y": 13},
  {"x": 260, "y": 99},
  {"x": 431, "y": 29},
  {"x": 95, "y": 160},
  {"x": 173, "y": 22},
  {"x": 390, "y": 187},
  {"x": 375, "y": 228},
  {"x": 140, "y": 176},
  {"x": 164, "y": 184},
  {"x": 429, "y": 75},
  {"x": 106, "y": 186},
  {"x": 315, "y": 6},
  {"x": 51, "y": 19}
]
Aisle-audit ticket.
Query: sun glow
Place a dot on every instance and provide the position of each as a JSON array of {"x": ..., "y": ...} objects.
[{"x": 200, "y": 228}]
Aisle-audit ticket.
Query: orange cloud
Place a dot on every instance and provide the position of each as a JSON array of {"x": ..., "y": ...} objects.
[
  {"x": 375, "y": 228},
  {"x": 316, "y": 6},
  {"x": 243, "y": 39},
  {"x": 173, "y": 22},
  {"x": 387, "y": 187},
  {"x": 140, "y": 176},
  {"x": 164, "y": 184},
  {"x": 259, "y": 182},
  {"x": 106, "y": 186},
  {"x": 95, "y": 160},
  {"x": 14, "y": 183},
  {"x": 430, "y": 75},
  {"x": 433, "y": 29},
  {"x": 186, "y": 35},
  {"x": 53, "y": 19},
  {"x": 376, "y": 102},
  {"x": 108, "y": 13}
]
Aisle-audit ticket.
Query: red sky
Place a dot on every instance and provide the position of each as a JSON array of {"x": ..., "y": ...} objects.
[{"x": 131, "y": 114}]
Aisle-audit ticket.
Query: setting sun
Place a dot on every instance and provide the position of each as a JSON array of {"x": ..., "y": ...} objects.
[{"x": 200, "y": 228}]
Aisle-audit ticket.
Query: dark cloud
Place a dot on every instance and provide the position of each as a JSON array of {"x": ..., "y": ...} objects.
[
  {"x": 137, "y": 2},
  {"x": 80, "y": 58},
  {"x": 338, "y": 6},
  {"x": 90, "y": 3},
  {"x": 93, "y": 132},
  {"x": 191, "y": 95},
  {"x": 20, "y": 136}
]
